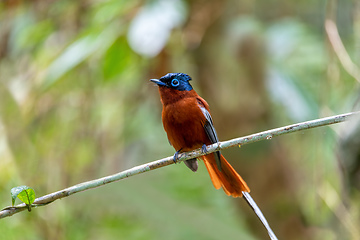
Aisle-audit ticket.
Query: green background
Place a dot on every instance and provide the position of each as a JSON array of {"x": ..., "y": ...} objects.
[{"x": 76, "y": 104}]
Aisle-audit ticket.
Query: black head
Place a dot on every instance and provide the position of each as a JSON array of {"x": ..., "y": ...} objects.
[{"x": 178, "y": 81}]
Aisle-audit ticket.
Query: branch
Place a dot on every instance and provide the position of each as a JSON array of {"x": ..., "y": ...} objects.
[
  {"x": 340, "y": 50},
  {"x": 266, "y": 135}
]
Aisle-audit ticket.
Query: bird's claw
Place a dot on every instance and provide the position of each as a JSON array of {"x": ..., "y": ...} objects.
[
  {"x": 176, "y": 157},
  {"x": 203, "y": 148}
]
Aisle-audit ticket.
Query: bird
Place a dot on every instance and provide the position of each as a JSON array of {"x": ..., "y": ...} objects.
[{"x": 188, "y": 124}]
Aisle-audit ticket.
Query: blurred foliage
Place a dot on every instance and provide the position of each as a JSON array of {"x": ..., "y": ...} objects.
[{"x": 76, "y": 104}]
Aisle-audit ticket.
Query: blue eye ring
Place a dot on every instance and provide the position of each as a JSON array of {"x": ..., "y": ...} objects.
[{"x": 175, "y": 82}]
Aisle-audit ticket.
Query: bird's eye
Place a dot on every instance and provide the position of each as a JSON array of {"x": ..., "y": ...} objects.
[{"x": 175, "y": 82}]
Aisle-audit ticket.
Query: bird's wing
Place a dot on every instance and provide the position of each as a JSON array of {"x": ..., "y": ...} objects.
[{"x": 209, "y": 128}]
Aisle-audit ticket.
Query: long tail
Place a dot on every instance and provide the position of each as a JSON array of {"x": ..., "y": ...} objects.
[
  {"x": 260, "y": 215},
  {"x": 228, "y": 178},
  {"x": 233, "y": 185}
]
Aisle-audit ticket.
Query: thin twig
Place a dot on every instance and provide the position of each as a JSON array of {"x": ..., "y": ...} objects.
[
  {"x": 266, "y": 135},
  {"x": 339, "y": 49}
]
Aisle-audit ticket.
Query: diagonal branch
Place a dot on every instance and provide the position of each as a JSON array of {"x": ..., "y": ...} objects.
[{"x": 266, "y": 135}]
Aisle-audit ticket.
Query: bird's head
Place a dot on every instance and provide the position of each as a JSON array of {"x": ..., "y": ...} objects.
[{"x": 177, "y": 81}]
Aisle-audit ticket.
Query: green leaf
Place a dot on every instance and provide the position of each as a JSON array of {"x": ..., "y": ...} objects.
[{"x": 24, "y": 193}]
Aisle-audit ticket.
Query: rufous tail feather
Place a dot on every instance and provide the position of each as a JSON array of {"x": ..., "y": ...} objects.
[{"x": 231, "y": 182}]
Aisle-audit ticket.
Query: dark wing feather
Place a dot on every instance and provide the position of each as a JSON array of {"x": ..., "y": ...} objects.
[{"x": 211, "y": 132}]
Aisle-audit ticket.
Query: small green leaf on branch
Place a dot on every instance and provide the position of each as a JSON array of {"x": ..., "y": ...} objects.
[{"x": 25, "y": 194}]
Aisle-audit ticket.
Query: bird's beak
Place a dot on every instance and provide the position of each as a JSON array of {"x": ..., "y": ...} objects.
[{"x": 158, "y": 82}]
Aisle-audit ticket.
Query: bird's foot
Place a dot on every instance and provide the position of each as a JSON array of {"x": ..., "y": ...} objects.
[
  {"x": 176, "y": 156},
  {"x": 203, "y": 148}
]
